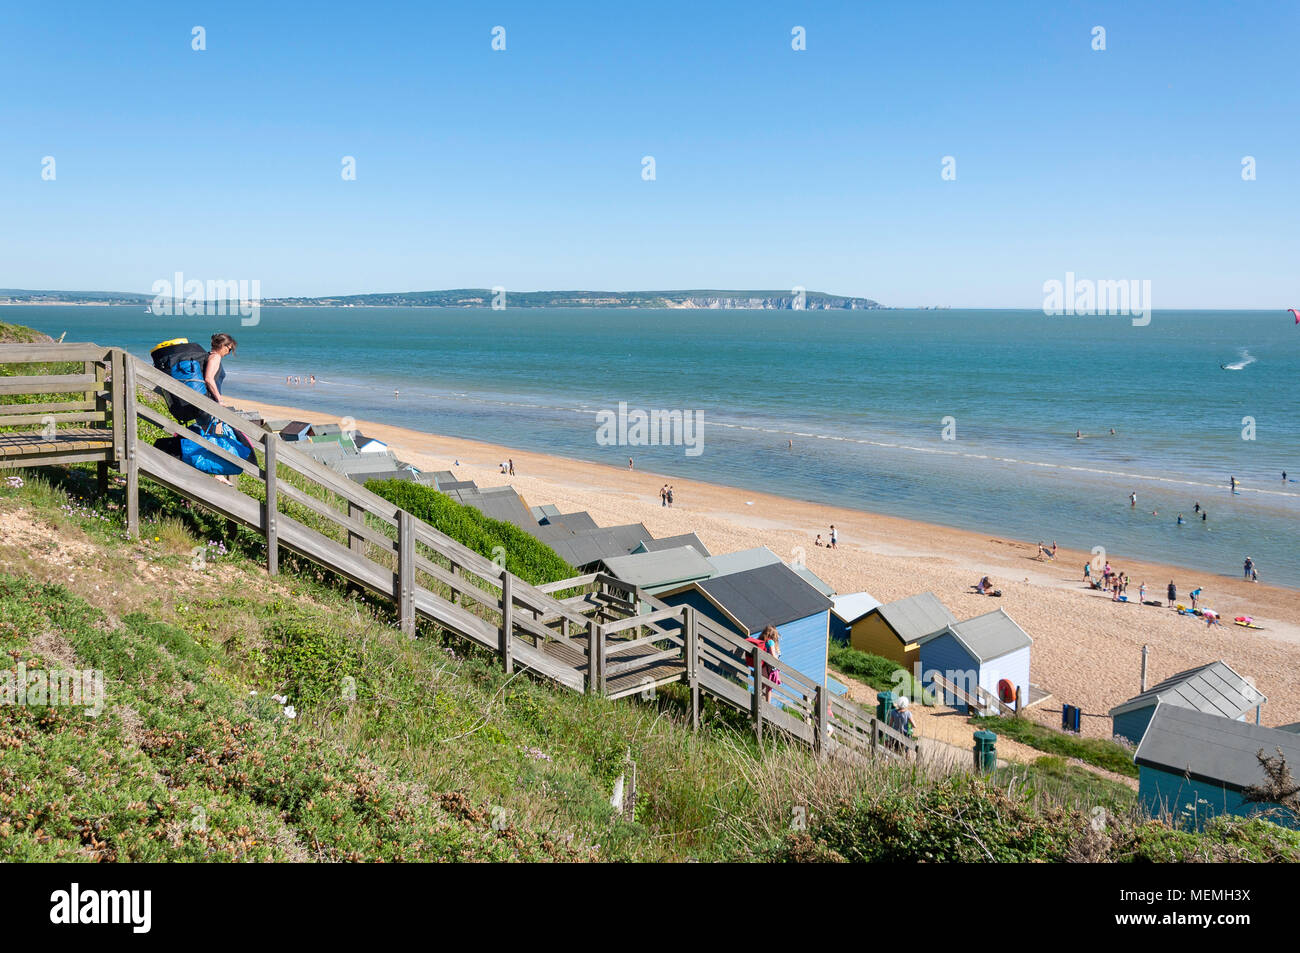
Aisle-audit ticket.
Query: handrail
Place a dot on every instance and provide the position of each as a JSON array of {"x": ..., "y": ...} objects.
[{"x": 712, "y": 658}]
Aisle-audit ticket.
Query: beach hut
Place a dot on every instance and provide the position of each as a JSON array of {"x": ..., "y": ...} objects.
[
  {"x": 1213, "y": 689},
  {"x": 846, "y": 611},
  {"x": 370, "y": 445},
  {"x": 1193, "y": 766},
  {"x": 989, "y": 650},
  {"x": 658, "y": 571},
  {"x": 672, "y": 542},
  {"x": 295, "y": 431},
  {"x": 894, "y": 630},
  {"x": 744, "y": 559},
  {"x": 324, "y": 430},
  {"x": 747, "y": 601}
]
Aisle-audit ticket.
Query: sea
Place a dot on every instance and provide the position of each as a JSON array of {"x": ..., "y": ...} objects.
[{"x": 965, "y": 418}]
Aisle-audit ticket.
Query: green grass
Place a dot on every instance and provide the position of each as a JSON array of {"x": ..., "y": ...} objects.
[
  {"x": 1100, "y": 752},
  {"x": 880, "y": 673}
]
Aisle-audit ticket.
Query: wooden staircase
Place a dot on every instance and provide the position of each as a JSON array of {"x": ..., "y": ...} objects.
[{"x": 593, "y": 633}]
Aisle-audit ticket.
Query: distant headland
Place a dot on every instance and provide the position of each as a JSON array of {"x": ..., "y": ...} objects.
[{"x": 496, "y": 297}]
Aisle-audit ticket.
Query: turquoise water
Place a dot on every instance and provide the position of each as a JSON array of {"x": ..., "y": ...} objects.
[{"x": 861, "y": 394}]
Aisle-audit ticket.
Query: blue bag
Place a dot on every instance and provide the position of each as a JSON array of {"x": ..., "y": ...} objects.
[{"x": 225, "y": 437}]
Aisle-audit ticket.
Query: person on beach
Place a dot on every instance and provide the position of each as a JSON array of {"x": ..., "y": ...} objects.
[
  {"x": 1195, "y": 594},
  {"x": 1204, "y": 514},
  {"x": 1181, "y": 521},
  {"x": 663, "y": 495},
  {"x": 313, "y": 378},
  {"x": 1087, "y": 573},
  {"x": 1247, "y": 568},
  {"x": 1053, "y": 549},
  {"x": 1142, "y": 592},
  {"x": 1133, "y": 499},
  {"x": 1232, "y": 482},
  {"x": 835, "y": 537},
  {"x": 1172, "y": 593},
  {"x": 214, "y": 376},
  {"x": 1196, "y": 507},
  {"x": 670, "y": 495},
  {"x": 512, "y": 466},
  {"x": 629, "y": 463},
  {"x": 818, "y": 540}
]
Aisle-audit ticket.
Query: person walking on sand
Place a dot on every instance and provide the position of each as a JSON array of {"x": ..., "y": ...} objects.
[
  {"x": 835, "y": 538},
  {"x": 1142, "y": 592},
  {"x": 1172, "y": 593},
  {"x": 1247, "y": 568},
  {"x": 670, "y": 496},
  {"x": 629, "y": 463},
  {"x": 1087, "y": 573},
  {"x": 511, "y": 462},
  {"x": 663, "y": 495}
]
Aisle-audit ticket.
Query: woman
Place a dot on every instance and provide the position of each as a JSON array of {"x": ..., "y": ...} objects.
[
  {"x": 772, "y": 646},
  {"x": 214, "y": 376}
]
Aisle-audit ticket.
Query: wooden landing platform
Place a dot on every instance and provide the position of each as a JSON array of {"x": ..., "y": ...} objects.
[
  {"x": 1037, "y": 695},
  {"x": 636, "y": 679},
  {"x": 20, "y": 448}
]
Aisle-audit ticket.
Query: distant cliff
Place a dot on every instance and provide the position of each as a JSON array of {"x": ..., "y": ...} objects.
[{"x": 484, "y": 298}]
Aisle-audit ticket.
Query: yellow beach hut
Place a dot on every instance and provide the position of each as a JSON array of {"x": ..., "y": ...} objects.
[{"x": 894, "y": 630}]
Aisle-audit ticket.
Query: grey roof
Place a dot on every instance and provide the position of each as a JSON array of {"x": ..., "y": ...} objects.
[
  {"x": 660, "y": 570},
  {"x": 448, "y": 485},
  {"x": 545, "y": 510},
  {"x": 916, "y": 616},
  {"x": 402, "y": 473},
  {"x": 743, "y": 560},
  {"x": 1214, "y": 689},
  {"x": 506, "y": 506},
  {"x": 321, "y": 430},
  {"x": 986, "y": 637},
  {"x": 814, "y": 580},
  {"x": 773, "y": 594},
  {"x": 590, "y": 546},
  {"x": 1211, "y": 748},
  {"x": 853, "y": 606},
  {"x": 444, "y": 476},
  {"x": 295, "y": 427},
  {"x": 672, "y": 542},
  {"x": 577, "y": 522}
]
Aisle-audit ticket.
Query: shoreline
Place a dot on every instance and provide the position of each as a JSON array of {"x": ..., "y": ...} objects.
[{"x": 1087, "y": 650}]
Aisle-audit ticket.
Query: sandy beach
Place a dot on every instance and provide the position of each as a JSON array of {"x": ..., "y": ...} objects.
[{"x": 1087, "y": 649}]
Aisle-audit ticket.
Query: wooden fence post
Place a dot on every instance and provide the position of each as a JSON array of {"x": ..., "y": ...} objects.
[
  {"x": 406, "y": 572},
  {"x": 819, "y": 719},
  {"x": 101, "y": 407},
  {"x": 272, "y": 507},
  {"x": 117, "y": 396},
  {"x": 507, "y": 623},
  {"x": 356, "y": 543},
  {"x": 756, "y": 703},
  {"x": 131, "y": 461},
  {"x": 692, "y": 661},
  {"x": 455, "y": 596}
]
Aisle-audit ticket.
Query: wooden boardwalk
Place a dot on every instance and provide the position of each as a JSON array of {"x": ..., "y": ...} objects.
[{"x": 592, "y": 634}]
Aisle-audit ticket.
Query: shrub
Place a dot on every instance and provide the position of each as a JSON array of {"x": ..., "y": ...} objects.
[{"x": 526, "y": 557}]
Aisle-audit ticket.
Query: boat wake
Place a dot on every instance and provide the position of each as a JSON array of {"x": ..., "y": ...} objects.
[{"x": 1245, "y": 361}]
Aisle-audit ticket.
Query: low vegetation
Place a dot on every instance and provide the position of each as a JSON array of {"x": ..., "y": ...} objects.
[
  {"x": 526, "y": 557},
  {"x": 1101, "y": 752},
  {"x": 880, "y": 673}
]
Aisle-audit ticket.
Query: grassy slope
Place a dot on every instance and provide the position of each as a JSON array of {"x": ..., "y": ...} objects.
[{"x": 437, "y": 743}]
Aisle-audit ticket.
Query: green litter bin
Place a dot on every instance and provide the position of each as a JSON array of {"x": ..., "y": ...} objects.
[
  {"x": 884, "y": 705},
  {"x": 986, "y": 751}
]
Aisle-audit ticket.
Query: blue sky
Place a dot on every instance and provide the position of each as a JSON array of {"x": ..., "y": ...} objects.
[{"x": 775, "y": 168}]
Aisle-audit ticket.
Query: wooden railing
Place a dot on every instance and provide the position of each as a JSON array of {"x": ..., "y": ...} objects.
[{"x": 593, "y": 633}]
